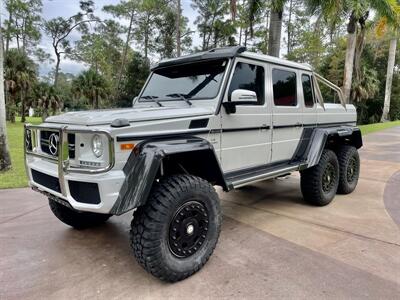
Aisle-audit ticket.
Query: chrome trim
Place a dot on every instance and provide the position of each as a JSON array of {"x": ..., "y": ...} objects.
[{"x": 62, "y": 158}]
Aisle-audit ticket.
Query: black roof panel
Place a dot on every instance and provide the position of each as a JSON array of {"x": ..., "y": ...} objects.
[{"x": 216, "y": 53}]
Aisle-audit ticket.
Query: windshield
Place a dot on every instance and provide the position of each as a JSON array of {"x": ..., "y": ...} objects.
[{"x": 189, "y": 81}]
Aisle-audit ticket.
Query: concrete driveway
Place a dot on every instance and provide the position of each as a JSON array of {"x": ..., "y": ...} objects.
[{"x": 272, "y": 244}]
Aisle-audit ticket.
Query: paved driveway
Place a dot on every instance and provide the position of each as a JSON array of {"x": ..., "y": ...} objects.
[{"x": 272, "y": 244}]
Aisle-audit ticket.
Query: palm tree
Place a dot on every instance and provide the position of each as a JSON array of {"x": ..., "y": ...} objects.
[
  {"x": 91, "y": 85},
  {"x": 275, "y": 27},
  {"x": 389, "y": 79},
  {"x": 21, "y": 75},
  {"x": 5, "y": 160},
  {"x": 46, "y": 99},
  {"x": 356, "y": 11}
]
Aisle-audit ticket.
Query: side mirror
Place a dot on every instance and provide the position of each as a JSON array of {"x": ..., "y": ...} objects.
[
  {"x": 243, "y": 96},
  {"x": 134, "y": 100},
  {"x": 239, "y": 96}
]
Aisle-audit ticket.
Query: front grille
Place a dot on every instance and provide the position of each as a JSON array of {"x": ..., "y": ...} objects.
[
  {"x": 49, "y": 142},
  {"x": 46, "y": 180}
]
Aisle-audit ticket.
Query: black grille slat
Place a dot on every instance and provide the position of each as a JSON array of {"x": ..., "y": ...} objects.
[
  {"x": 71, "y": 145},
  {"x": 46, "y": 180}
]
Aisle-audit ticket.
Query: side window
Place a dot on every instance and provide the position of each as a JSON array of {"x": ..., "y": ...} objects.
[
  {"x": 248, "y": 77},
  {"x": 307, "y": 90},
  {"x": 284, "y": 86}
]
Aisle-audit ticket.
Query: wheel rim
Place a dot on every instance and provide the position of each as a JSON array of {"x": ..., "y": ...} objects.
[
  {"x": 188, "y": 229},
  {"x": 328, "y": 178},
  {"x": 352, "y": 170}
]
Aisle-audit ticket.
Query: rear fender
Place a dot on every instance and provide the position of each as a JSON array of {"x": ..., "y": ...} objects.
[{"x": 331, "y": 138}]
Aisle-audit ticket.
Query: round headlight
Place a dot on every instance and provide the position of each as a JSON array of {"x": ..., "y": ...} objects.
[{"x": 97, "y": 145}]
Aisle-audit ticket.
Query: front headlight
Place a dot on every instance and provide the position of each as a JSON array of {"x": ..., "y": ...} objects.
[{"x": 97, "y": 145}]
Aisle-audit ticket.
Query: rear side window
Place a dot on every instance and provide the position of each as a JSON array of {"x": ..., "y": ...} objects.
[
  {"x": 307, "y": 90},
  {"x": 248, "y": 77},
  {"x": 284, "y": 86}
]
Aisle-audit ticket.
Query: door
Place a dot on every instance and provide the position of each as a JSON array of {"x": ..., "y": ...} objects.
[
  {"x": 246, "y": 134},
  {"x": 286, "y": 113}
]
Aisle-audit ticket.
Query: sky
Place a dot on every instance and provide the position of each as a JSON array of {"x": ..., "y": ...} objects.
[{"x": 66, "y": 8}]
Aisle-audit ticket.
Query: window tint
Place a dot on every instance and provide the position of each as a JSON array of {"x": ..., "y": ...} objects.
[
  {"x": 284, "y": 87},
  {"x": 307, "y": 90},
  {"x": 248, "y": 77},
  {"x": 329, "y": 95}
]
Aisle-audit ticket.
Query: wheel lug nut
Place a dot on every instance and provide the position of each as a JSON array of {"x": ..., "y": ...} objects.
[{"x": 203, "y": 236}]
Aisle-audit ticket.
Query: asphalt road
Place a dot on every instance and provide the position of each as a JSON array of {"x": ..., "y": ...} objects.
[{"x": 272, "y": 244}]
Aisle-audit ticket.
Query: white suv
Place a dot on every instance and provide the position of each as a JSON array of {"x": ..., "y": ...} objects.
[{"x": 222, "y": 117}]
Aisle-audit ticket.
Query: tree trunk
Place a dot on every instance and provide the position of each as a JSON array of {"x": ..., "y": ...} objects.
[
  {"x": 8, "y": 37},
  {"x": 349, "y": 61},
  {"x": 389, "y": 79},
  {"x": 275, "y": 31},
  {"x": 178, "y": 29},
  {"x": 57, "y": 70},
  {"x": 289, "y": 27},
  {"x": 348, "y": 65},
  {"x": 5, "y": 160},
  {"x": 23, "y": 107},
  {"x": 122, "y": 69}
]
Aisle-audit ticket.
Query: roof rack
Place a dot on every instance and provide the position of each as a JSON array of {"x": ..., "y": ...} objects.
[{"x": 215, "y": 53}]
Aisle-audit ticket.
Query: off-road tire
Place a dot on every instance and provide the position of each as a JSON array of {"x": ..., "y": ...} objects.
[
  {"x": 151, "y": 227},
  {"x": 316, "y": 187},
  {"x": 349, "y": 169},
  {"x": 77, "y": 219}
]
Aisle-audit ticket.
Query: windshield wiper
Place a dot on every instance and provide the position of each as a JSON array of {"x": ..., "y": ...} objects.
[
  {"x": 181, "y": 97},
  {"x": 154, "y": 98}
]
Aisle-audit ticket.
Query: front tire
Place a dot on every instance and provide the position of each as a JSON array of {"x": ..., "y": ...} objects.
[
  {"x": 349, "y": 169},
  {"x": 175, "y": 232},
  {"x": 319, "y": 183},
  {"x": 77, "y": 219}
]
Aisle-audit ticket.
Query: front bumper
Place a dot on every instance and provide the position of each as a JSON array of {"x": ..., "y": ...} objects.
[{"x": 55, "y": 176}]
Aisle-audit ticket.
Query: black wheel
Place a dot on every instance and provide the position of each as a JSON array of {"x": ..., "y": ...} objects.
[
  {"x": 319, "y": 183},
  {"x": 76, "y": 219},
  {"x": 349, "y": 169},
  {"x": 175, "y": 232}
]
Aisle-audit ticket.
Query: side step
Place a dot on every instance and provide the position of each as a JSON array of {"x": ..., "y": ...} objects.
[{"x": 243, "y": 177}]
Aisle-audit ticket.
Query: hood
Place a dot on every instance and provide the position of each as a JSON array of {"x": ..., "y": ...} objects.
[{"x": 106, "y": 116}]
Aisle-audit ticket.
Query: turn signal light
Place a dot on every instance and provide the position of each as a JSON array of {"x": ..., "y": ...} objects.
[{"x": 127, "y": 146}]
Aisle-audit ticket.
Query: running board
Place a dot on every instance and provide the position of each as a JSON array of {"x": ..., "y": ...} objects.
[{"x": 245, "y": 177}]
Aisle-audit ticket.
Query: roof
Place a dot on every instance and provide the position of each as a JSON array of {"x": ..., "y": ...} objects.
[
  {"x": 216, "y": 53},
  {"x": 229, "y": 52}
]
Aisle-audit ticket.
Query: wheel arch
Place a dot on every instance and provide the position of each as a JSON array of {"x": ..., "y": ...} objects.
[
  {"x": 331, "y": 138},
  {"x": 152, "y": 159}
]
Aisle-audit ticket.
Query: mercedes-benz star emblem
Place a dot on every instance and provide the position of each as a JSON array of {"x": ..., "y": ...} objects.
[{"x": 53, "y": 143}]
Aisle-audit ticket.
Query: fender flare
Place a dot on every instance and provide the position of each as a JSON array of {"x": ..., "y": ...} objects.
[
  {"x": 323, "y": 137},
  {"x": 144, "y": 163}
]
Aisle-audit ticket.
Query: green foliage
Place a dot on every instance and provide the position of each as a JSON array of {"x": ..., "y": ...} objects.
[
  {"x": 137, "y": 73},
  {"x": 23, "y": 24},
  {"x": 20, "y": 78},
  {"x": 92, "y": 88}
]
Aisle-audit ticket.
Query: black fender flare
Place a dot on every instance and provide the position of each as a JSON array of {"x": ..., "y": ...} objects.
[
  {"x": 144, "y": 163},
  {"x": 330, "y": 137}
]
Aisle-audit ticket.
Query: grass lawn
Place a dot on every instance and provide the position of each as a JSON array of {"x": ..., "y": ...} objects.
[
  {"x": 365, "y": 129},
  {"x": 16, "y": 176}
]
